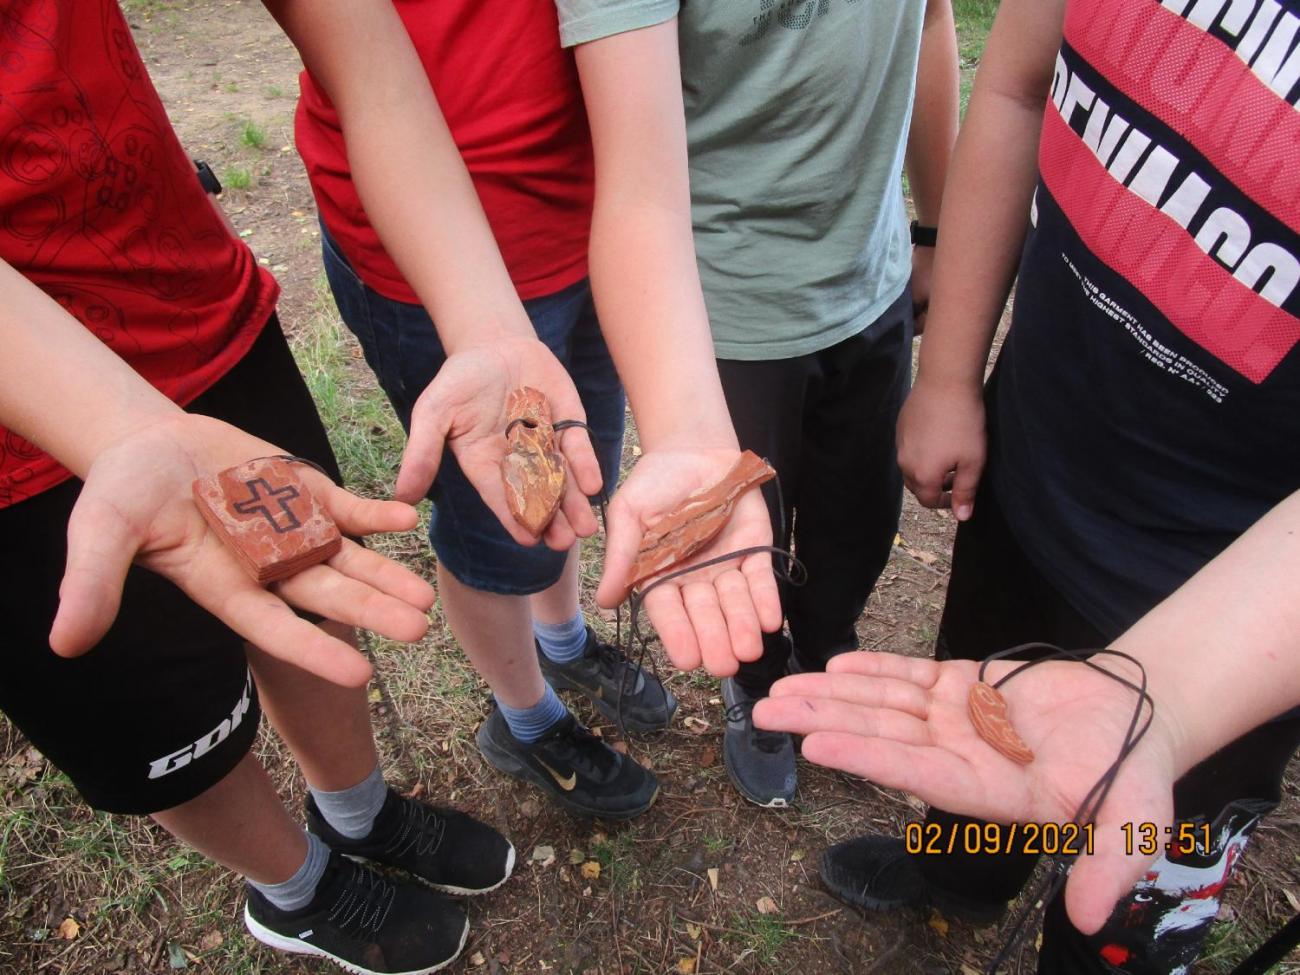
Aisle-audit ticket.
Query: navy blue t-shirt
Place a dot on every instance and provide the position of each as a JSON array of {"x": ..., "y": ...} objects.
[{"x": 1146, "y": 405}]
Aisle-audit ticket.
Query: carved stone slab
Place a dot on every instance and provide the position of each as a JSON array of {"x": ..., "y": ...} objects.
[
  {"x": 533, "y": 469},
  {"x": 268, "y": 518},
  {"x": 684, "y": 531},
  {"x": 988, "y": 713}
]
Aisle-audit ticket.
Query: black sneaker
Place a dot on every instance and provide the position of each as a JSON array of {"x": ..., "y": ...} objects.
[
  {"x": 877, "y": 873},
  {"x": 365, "y": 923},
  {"x": 443, "y": 848},
  {"x": 606, "y": 676},
  {"x": 573, "y": 767},
  {"x": 759, "y": 763}
]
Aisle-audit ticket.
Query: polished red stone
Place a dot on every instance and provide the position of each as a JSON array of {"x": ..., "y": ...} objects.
[{"x": 268, "y": 518}]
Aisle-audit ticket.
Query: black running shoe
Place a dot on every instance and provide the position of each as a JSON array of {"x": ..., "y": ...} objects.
[
  {"x": 759, "y": 763},
  {"x": 877, "y": 873},
  {"x": 606, "y": 676},
  {"x": 365, "y": 923},
  {"x": 443, "y": 848},
  {"x": 573, "y": 767}
]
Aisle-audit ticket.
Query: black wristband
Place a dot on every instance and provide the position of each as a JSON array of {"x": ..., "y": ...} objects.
[
  {"x": 924, "y": 236},
  {"x": 207, "y": 178}
]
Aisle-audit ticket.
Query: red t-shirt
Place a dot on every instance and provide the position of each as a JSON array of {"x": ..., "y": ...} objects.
[
  {"x": 511, "y": 98},
  {"x": 100, "y": 208}
]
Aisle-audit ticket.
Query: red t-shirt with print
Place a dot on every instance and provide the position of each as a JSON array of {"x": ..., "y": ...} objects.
[
  {"x": 510, "y": 96},
  {"x": 100, "y": 208}
]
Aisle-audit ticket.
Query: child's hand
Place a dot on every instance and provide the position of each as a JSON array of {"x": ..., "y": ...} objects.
[
  {"x": 136, "y": 506},
  {"x": 941, "y": 445},
  {"x": 713, "y": 617},
  {"x": 464, "y": 408}
]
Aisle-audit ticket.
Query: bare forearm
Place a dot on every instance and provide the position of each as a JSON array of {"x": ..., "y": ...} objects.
[
  {"x": 407, "y": 168},
  {"x": 1223, "y": 652},
  {"x": 643, "y": 267},
  {"x": 990, "y": 186},
  {"x": 934, "y": 113},
  {"x": 60, "y": 387}
]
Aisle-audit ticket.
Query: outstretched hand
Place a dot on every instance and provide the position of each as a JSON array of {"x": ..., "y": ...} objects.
[
  {"x": 464, "y": 408},
  {"x": 136, "y": 506},
  {"x": 902, "y": 722},
  {"x": 715, "y": 616}
]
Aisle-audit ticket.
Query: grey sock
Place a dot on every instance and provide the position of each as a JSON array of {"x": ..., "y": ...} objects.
[
  {"x": 297, "y": 892},
  {"x": 352, "y": 811}
]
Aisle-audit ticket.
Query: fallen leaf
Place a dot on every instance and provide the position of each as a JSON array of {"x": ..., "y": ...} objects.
[
  {"x": 544, "y": 855},
  {"x": 766, "y": 905},
  {"x": 416, "y": 791},
  {"x": 576, "y": 857},
  {"x": 636, "y": 451},
  {"x": 696, "y": 726},
  {"x": 591, "y": 870},
  {"x": 1291, "y": 899},
  {"x": 176, "y": 956},
  {"x": 529, "y": 809},
  {"x": 925, "y": 558},
  {"x": 939, "y": 925},
  {"x": 694, "y": 930},
  {"x": 708, "y": 757},
  {"x": 686, "y": 966},
  {"x": 211, "y": 941},
  {"x": 69, "y": 929},
  {"x": 374, "y": 696},
  {"x": 477, "y": 959},
  {"x": 713, "y": 877},
  {"x": 797, "y": 855}
]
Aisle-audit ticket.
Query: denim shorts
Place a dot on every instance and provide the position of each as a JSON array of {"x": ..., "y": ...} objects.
[{"x": 402, "y": 347}]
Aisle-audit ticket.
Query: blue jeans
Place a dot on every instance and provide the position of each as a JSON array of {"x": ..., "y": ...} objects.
[{"x": 402, "y": 347}]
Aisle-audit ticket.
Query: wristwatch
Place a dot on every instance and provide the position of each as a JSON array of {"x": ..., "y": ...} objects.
[
  {"x": 207, "y": 178},
  {"x": 924, "y": 236}
]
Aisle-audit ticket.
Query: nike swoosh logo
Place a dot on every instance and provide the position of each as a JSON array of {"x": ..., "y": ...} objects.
[{"x": 567, "y": 784}]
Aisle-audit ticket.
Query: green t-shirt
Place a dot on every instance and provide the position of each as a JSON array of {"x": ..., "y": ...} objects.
[{"x": 796, "y": 117}]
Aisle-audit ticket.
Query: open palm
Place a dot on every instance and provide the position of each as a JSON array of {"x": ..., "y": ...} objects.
[
  {"x": 902, "y": 722},
  {"x": 136, "y": 507}
]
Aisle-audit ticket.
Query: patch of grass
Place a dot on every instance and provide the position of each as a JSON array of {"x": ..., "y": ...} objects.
[
  {"x": 273, "y": 91},
  {"x": 253, "y": 135},
  {"x": 145, "y": 8},
  {"x": 232, "y": 88},
  {"x": 717, "y": 844},
  {"x": 236, "y": 178},
  {"x": 974, "y": 20},
  {"x": 617, "y": 858},
  {"x": 762, "y": 934}
]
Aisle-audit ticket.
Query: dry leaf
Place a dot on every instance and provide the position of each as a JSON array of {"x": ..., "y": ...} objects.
[
  {"x": 591, "y": 870},
  {"x": 686, "y": 966},
  {"x": 477, "y": 959},
  {"x": 375, "y": 696},
  {"x": 713, "y": 877},
  {"x": 939, "y": 925},
  {"x": 898, "y": 538},
  {"x": 696, "y": 726},
  {"x": 797, "y": 855},
  {"x": 708, "y": 757},
  {"x": 766, "y": 905},
  {"x": 529, "y": 809},
  {"x": 576, "y": 857},
  {"x": 1291, "y": 899},
  {"x": 211, "y": 941},
  {"x": 925, "y": 558},
  {"x": 69, "y": 929},
  {"x": 544, "y": 855},
  {"x": 694, "y": 930}
]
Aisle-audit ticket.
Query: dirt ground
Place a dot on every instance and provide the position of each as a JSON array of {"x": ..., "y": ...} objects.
[{"x": 703, "y": 883}]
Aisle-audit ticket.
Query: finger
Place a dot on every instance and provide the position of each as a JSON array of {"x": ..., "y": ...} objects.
[
  {"x": 267, "y": 622},
  {"x": 327, "y": 592},
  {"x": 584, "y": 468},
  {"x": 559, "y": 534},
  {"x": 701, "y": 602},
  {"x": 964, "y": 486},
  {"x": 877, "y": 663},
  {"x": 763, "y": 592},
  {"x": 101, "y": 546},
  {"x": 738, "y": 612},
  {"x": 622, "y": 537},
  {"x": 874, "y": 692},
  {"x": 385, "y": 575},
  {"x": 362, "y": 516},
  {"x": 928, "y": 490},
  {"x": 577, "y": 510},
  {"x": 809, "y": 715},
  {"x": 668, "y": 614},
  {"x": 423, "y": 454}
]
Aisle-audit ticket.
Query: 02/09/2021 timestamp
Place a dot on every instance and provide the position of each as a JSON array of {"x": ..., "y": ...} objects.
[{"x": 1048, "y": 839}]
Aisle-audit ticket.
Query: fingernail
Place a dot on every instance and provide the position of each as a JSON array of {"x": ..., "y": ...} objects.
[{"x": 964, "y": 512}]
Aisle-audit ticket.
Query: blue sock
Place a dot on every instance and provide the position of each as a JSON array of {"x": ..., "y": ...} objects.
[
  {"x": 299, "y": 890},
  {"x": 352, "y": 811},
  {"x": 562, "y": 643},
  {"x": 529, "y": 724}
]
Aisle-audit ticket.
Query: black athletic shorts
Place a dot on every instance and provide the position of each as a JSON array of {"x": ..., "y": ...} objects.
[{"x": 164, "y": 707}]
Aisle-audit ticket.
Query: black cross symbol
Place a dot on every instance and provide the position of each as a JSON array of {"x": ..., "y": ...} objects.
[{"x": 259, "y": 504}]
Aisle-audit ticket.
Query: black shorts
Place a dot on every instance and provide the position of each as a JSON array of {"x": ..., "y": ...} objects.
[{"x": 163, "y": 707}]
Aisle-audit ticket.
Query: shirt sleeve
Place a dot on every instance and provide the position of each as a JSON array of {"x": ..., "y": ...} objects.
[{"x": 590, "y": 20}]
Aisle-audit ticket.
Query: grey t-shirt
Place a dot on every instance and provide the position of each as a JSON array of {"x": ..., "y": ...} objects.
[{"x": 796, "y": 116}]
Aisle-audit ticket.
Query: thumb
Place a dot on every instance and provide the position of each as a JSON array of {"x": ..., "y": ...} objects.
[
  {"x": 423, "y": 453},
  {"x": 964, "y": 485},
  {"x": 622, "y": 539},
  {"x": 101, "y": 546}
]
